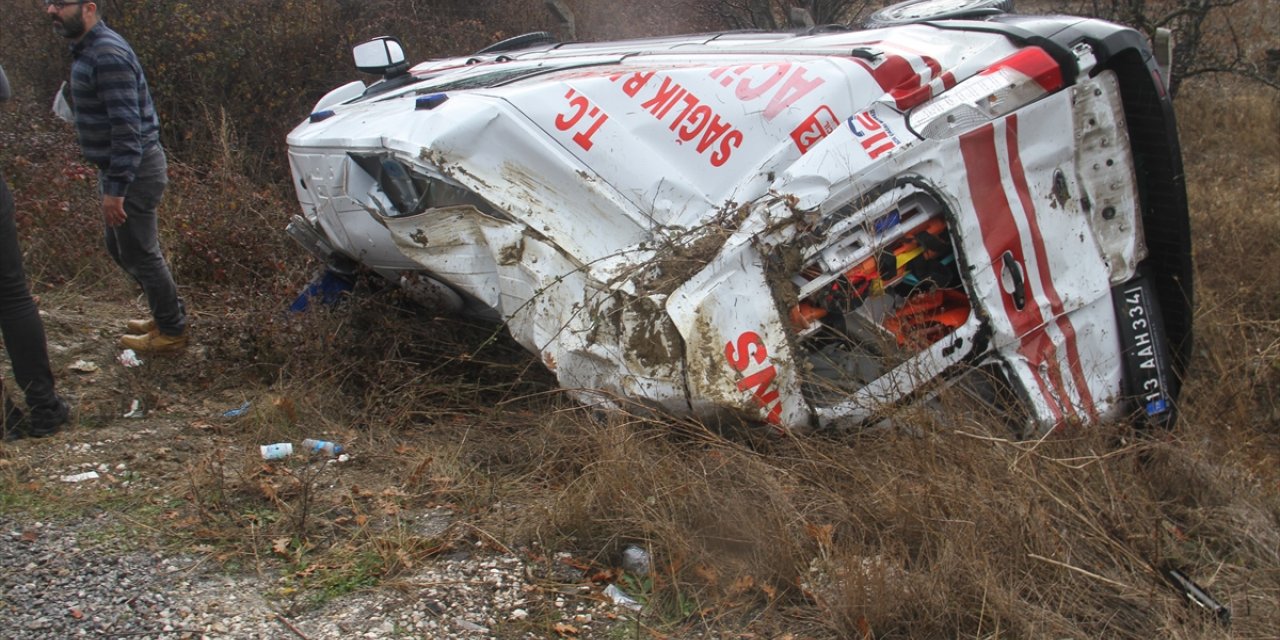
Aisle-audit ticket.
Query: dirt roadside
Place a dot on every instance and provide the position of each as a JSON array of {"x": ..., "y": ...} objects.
[{"x": 147, "y": 517}]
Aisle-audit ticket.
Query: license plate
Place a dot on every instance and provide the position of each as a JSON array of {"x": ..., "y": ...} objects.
[{"x": 1145, "y": 351}]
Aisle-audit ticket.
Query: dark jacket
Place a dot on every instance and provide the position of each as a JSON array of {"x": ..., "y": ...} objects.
[{"x": 115, "y": 117}]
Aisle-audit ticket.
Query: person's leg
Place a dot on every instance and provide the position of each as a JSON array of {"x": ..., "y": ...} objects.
[
  {"x": 22, "y": 328},
  {"x": 135, "y": 246}
]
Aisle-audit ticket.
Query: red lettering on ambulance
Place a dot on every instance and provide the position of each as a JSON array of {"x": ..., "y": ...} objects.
[
  {"x": 749, "y": 343},
  {"x": 668, "y": 94},
  {"x": 746, "y": 91},
  {"x": 696, "y": 123},
  {"x": 814, "y": 128},
  {"x": 690, "y": 102},
  {"x": 687, "y": 116},
  {"x": 868, "y": 123},
  {"x": 580, "y": 107},
  {"x": 636, "y": 82},
  {"x": 713, "y": 131},
  {"x": 796, "y": 87},
  {"x": 760, "y": 382},
  {"x": 727, "y": 145}
]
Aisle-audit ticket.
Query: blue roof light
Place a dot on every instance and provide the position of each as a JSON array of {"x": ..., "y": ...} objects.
[{"x": 430, "y": 102}]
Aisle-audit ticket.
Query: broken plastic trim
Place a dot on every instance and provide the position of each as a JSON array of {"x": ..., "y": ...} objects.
[
  {"x": 1004, "y": 87},
  {"x": 410, "y": 191}
]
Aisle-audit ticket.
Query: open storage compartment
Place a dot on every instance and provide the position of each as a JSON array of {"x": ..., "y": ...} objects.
[{"x": 883, "y": 289}]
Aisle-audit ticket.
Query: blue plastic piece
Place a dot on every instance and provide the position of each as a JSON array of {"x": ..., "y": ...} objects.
[
  {"x": 430, "y": 102},
  {"x": 237, "y": 412},
  {"x": 322, "y": 115},
  {"x": 1156, "y": 407},
  {"x": 327, "y": 288},
  {"x": 888, "y": 221}
]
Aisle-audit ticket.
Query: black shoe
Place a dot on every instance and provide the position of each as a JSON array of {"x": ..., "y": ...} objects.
[{"x": 45, "y": 421}]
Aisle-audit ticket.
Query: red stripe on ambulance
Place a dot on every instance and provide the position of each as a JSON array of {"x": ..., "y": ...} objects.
[
  {"x": 1000, "y": 235},
  {"x": 903, "y": 81},
  {"x": 1019, "y": 175}
]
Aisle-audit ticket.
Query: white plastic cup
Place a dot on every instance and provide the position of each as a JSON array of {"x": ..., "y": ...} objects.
[{"x": 277, "y": 451}]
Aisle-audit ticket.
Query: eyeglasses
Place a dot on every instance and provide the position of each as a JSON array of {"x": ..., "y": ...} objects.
[{"x": 62, "y": 4}]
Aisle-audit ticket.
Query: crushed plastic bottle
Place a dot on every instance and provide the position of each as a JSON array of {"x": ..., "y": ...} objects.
[{"x": 321, "y": 447}]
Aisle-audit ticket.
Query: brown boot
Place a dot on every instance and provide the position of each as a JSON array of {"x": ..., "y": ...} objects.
[
  {"x": 140, "y": 327},
  {"x": 155, "y": 342}
]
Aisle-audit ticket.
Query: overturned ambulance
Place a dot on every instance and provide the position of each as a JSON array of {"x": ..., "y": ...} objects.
[{"x": 802, "y": 229}]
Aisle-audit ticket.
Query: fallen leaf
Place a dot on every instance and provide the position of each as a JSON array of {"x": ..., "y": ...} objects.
[
  {"x": 603, "y": 575},
  {"x": 741, "y": 585},
  {"x": 268, "y": 490},
  {"x": 565, "y": 629},
  {"x": 707, "y": 573},
  {"x": 280, "y": 546},
  {"x": 575, "y": 563},
  {"x": 361, "y": 520},
  {"x": 286, "y": 405},
  {"x": 30, "y": 535},
  {"x": 76, "y": 613},
  {"x": 864, "y": 627},
  {"x": 823, "y": 534},
  {"x": 205, "y": 425}
]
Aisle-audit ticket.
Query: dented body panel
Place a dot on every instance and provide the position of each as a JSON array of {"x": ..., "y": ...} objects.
[{"x": 798, "y": 230}]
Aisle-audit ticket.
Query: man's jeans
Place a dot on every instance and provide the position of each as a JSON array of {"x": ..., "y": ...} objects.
[
  {"x": 20, "y": 322},
  {"x": 135, "y": 245}
]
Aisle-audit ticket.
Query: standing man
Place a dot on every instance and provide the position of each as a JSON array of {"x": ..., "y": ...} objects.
[
  {"x": 23, "y": 332},
  {"x": 119, "y": 132}
]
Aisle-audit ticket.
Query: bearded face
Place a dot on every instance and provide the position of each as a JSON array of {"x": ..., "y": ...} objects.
[{"x": 69, "y": 24}]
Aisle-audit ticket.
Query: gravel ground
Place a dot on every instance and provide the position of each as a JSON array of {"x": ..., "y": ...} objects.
[
  {"x": 55, "y": 584},
  {"x": 88, "y": 570}
]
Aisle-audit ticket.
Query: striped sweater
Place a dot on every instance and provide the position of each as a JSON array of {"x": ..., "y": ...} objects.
[{"x": 115, "y": 117}]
